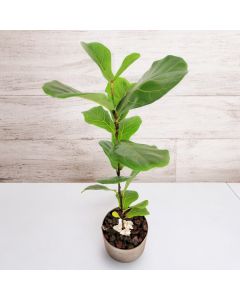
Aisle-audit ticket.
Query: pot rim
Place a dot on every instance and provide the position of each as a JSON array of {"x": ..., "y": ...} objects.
[{"x": 117, "y": 247}]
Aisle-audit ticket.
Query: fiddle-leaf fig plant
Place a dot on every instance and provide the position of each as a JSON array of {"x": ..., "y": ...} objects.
[{"x": 111, "y": 114}]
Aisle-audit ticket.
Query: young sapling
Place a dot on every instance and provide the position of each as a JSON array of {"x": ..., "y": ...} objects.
[{"x": 111, "y": 114}]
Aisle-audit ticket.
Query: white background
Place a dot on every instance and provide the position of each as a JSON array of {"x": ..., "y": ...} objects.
[
  {"x": 125, "y": 14},
  {"x": 120, "y": 15}
]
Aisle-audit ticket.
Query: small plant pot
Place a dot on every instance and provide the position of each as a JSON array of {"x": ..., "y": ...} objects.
[{"x": 124, "y": 255}]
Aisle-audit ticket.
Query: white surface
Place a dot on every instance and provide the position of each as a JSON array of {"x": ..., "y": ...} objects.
[
  {"x": 54, "y": 226},
  {"x": 37, "y": 17},
  {"x": 235, "y": 187}
]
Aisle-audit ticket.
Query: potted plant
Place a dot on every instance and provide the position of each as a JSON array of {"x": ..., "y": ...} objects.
[{"x": 125, "y": 227}]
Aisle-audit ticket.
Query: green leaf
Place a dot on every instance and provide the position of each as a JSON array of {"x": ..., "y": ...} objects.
[
  {"x": 112, "y": 180},
  {"x": 128, "y": 198},
  {"x": 59, "y": 90},
  {"x": 97, "y": 187},
  {"x": 163, "y": 75},
  {"x": 140, "y": 157},
  {"x": 137, "y": 212},
  {"x": 108, "y": 148},
  {"x": 115, "y": 214},
  {"x": 102, "y": 57},
  {"x": 99, "y": 117},
  {"x": 122, "y": 116},
  {"x": 128, "y": 127},
  {"x": 142, "y": 204},
  {"x": 128, "y": 60},
  {"x": 120, "y": 87},
  {"x": 132, "y": 176}
]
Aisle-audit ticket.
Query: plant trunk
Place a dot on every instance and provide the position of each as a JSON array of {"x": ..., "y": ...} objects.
[{"x": 118, "y": 171}]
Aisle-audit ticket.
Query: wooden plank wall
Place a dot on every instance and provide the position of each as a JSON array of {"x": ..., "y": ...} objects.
[{"x": 46, "y": 140}]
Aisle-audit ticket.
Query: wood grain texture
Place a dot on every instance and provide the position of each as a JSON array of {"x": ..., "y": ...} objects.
[
  {"x": 208, "y": 160},
  {"x": 29, "y": 58},
  {"x": 46, "y": 140},
  {"x": 68, "y": 161},
  {"x": 182, "y": 117}
]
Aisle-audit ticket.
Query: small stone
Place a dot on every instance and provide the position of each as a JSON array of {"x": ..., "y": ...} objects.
[
  {"x": 125, "y": 229},
  {"x": 135, "y": 232},
  {"x": 135, "y": 241},
  {"x": 115, "y": 221},
  {"x": 112, "y": 238},
  {"x": 137, "y": 222},
  {"x": 119, "y": 244}
]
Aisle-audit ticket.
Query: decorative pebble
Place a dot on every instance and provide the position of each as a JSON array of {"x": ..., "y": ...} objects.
[{"x": 135, "y": 241}]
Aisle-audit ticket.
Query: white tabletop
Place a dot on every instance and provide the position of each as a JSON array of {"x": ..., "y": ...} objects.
[{"x": 54, "y": 226}]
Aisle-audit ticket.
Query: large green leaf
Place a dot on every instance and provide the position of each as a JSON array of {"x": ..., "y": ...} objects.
[
  {"x": 128, "y": 198},
  {"x": 97, "y": 187},
  {"x": 163, "y": 75},
  {"x": 119, "y": 88},
  {"x": 59, "y": 90},
  {"x": 137, "y": 212},
  {"x": 128, "y": 60},
  {"x": 113, "y": 180},
  {"x": 108, "y": 148},
  {"x": 128, "y": 127},
  {"x": 140, "y": 157},
  {"x": 99, "y": 117},
  {"x": 102, "y": 57}
]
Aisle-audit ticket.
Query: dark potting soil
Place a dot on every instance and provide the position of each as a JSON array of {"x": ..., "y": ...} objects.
[{"x": 138, "y": 233}]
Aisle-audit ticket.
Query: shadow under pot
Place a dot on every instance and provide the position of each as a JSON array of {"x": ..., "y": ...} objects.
[{"x": 121, "y": 247}]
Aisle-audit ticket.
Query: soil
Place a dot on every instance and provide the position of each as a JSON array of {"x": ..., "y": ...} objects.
[{"x": 138, "y": 233}]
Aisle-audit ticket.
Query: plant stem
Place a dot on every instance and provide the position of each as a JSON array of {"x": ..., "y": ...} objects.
[
  {"x": 132, "y": 176},
  {"x": 118, "y": 171}
]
